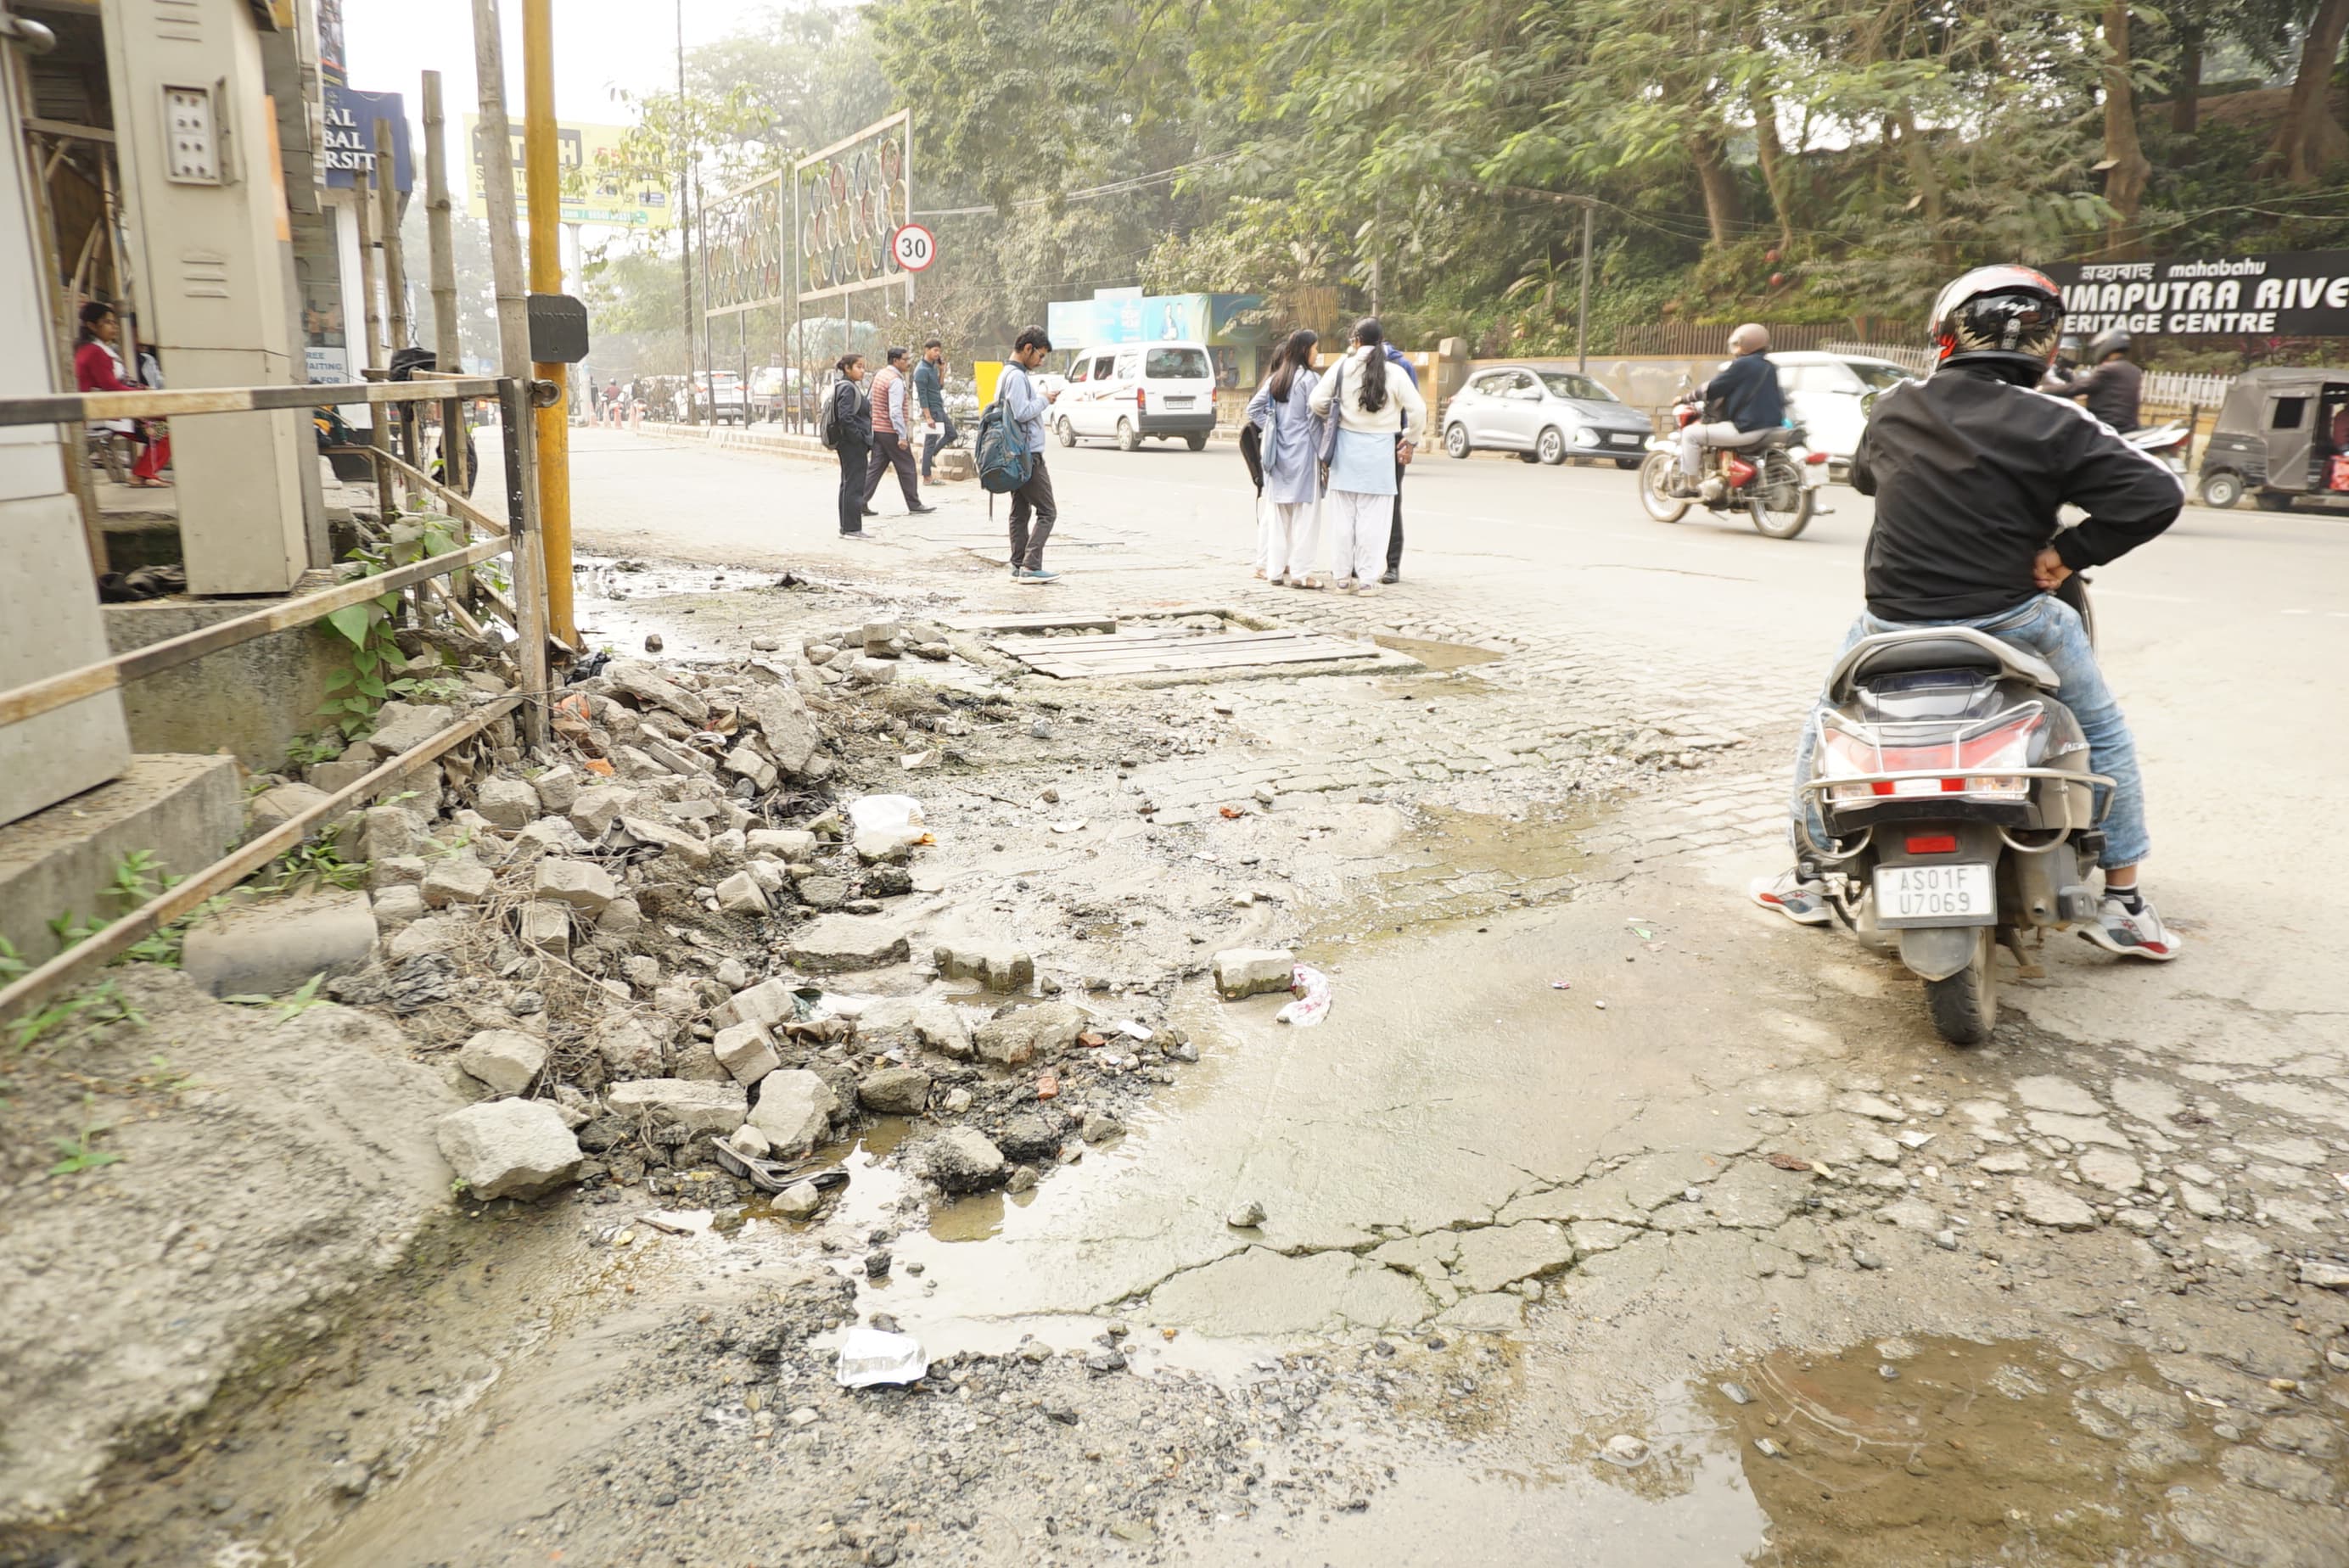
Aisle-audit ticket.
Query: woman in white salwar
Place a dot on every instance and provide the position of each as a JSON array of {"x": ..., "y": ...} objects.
[
  {"x": 1377, "y": 409},
  {"x": 1289, "y": 514}
]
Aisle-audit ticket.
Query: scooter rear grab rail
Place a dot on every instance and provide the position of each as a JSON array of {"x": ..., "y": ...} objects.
[{"x": 1814, "y": 785}]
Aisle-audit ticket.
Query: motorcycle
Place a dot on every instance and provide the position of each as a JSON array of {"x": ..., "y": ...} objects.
[
  {"x": 1770, "y": 475},
  {"x": 2168, "y": 442},
  {"x": 1959, "y": 807}
]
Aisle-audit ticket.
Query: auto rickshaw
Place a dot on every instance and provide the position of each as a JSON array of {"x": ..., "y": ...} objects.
[{"x": 2282, "y": 437}]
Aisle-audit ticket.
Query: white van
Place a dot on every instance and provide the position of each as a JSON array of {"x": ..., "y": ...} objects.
[{"x": 1138, "y": 391}]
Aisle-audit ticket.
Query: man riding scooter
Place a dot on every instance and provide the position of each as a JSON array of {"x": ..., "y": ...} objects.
[
  {"x": 2114, "y": 389},
  {"x": 1968, "y": 469},
  {"x": 1742, "y": 399}
]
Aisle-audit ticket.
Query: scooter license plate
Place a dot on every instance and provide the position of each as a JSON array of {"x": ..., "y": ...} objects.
[{"x": 1936, "y": 895}]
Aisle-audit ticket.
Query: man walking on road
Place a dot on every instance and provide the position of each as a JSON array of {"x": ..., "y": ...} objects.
[
  {"x": 1024, "y": 405},
  {"x": 930, "y": 389},
  {"x": 1394, "y": 532},
  {"x": 892, "y": 420}
]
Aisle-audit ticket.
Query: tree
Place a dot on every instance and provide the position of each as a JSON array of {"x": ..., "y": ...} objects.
[
  {"x": 2126, "y": 169},
  {"x": 2310, "y": 141}
]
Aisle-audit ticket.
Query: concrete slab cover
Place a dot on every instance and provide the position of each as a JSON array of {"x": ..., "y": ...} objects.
[
  {"x": 251, "y": 700},
  {"x": 271, "y": 946},
  {"x": 184, "y": 810}
]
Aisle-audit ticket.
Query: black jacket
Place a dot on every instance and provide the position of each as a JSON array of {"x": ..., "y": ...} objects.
[
  {"x": 1746, "y": 394},
  {"x": 851, "y": 412},
  {"x": 1968, "y": 471},
  {"x": 2113, "y": 390}
]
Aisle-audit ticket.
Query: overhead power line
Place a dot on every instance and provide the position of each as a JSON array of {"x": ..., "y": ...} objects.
[{"x": 1091, "y": 192}]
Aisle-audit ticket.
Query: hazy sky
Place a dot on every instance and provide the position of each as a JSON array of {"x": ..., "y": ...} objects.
[{"x": 598, "y": 45}]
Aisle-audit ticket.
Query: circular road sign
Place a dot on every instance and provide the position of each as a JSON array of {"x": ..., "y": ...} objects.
[{"x": 915, "y": 247}]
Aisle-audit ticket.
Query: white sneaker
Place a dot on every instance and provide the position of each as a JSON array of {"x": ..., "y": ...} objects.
[
  {"x": 2137, "y": 935},
  {"x": 1804, "y": 903}
]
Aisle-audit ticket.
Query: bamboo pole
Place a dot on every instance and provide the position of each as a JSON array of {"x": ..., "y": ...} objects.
[
  {"x": 448, "y": 340},
  {"x": 395, "y": 266},
  {"x": 539, "y": 160}
]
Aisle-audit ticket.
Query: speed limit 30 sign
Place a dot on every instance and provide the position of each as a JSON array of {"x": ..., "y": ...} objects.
[{"x": 915, "y": 247}]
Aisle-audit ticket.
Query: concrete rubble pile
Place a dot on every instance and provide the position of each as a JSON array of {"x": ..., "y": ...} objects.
[{"x": 667, "y": 931}]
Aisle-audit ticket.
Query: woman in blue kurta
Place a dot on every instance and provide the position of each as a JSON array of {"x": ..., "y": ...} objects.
[{"x": 1289, "y": 515}]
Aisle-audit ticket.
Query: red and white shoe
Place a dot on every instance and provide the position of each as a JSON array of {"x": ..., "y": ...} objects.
[
  {"x": 1804, "y": 903},
  {"x": 2138, "y": 936}
]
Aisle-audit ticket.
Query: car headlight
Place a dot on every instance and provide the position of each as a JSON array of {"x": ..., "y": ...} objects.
[{"x": 1584, "y": 435}]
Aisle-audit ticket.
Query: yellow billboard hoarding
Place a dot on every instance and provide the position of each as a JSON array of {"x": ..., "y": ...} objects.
[{"x": 594, "y": 189}]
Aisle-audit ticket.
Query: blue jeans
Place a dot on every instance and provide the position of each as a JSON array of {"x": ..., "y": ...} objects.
[
  {"x": 2051, "y": 629},
  {"x": 942, "y": 432}
]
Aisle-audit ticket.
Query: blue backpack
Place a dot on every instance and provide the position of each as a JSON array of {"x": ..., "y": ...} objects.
[{"x": 1000, "y": 450}]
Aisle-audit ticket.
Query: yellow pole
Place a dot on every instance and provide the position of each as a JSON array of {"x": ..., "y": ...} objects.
[{"x": 543, "y": 182}]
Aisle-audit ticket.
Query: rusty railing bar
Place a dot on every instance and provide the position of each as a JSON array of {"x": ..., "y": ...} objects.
[
  {"x": 72, "y": 686},
  {"x": 185, "y": 897},
  {"x": 76, "y": 408}
]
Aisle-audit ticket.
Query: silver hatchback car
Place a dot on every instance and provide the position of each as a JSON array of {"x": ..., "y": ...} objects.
[{"x": 1544, "y": 416}]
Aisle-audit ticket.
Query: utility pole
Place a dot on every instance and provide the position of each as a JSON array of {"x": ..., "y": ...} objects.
[
  {"x": 685, "y": 206},
  {"x": 1582, "y": 311},
  {"x": 448, "y": 340},
  {"x": 546, "y": 185}
]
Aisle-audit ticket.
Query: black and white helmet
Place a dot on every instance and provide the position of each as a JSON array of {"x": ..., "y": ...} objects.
[
  {"x": 2010, "y": 318},
  {"x": 2104, "y": 344}
]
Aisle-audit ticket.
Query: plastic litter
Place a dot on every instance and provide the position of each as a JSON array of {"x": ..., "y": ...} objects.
[
  {"x": 1311, "y": 989},
  {"x": 1075, "y": 826},
  {"x": 869, "y": 1356},
  {"x": 1561, "y": 985},
  {"x": 1134, "y": 1031},
  {"x": 881, "y": 813}
]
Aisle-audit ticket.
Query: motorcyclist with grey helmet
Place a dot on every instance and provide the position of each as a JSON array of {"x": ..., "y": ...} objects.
[
  {"x": 1968, "y": 469},
  {"x": 2112, "y": 388}
]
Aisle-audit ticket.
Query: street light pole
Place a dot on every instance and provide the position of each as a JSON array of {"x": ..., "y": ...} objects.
[
  {"x": 543, "y": 182},
  {"x": 685, "y": 206}
]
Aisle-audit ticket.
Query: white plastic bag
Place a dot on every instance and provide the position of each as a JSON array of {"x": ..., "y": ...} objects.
[
  {"x": 881, "y": 813},
  {"x": 1311, "y": 989},
  {"x": 869, "y": 1356}
]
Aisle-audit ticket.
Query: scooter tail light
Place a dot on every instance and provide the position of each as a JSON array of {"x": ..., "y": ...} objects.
[
  {"x": 1817, "y": 458},
  {"x": 1932, "y": 843}
]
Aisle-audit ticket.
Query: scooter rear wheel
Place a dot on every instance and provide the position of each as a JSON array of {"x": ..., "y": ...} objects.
[{"x": 1965, "y": 1005}]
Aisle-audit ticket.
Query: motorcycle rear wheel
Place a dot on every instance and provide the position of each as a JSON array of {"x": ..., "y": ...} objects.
[
  {"x": 1965, "y": 1005},
  {"x": 1655, "y": 488},
  {"x": 1780, "y": 481}
]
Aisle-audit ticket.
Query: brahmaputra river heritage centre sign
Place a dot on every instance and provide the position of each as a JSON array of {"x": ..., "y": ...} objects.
[{"x": 2298, "y": 294}]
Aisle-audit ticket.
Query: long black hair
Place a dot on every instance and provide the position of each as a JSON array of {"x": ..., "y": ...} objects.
[
  {"x": 1296, "y": 351},
  {"x": 1372, "y": 336}
]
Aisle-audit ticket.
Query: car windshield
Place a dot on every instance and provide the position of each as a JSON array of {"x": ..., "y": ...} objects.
[
  {"x": 1562, "y": 385},
  {"x": 1176, "y": 364},
  {"x": 1878, "y": 375}
]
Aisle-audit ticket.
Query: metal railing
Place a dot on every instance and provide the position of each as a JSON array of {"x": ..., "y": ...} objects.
[{"x": 516, "y": 537}]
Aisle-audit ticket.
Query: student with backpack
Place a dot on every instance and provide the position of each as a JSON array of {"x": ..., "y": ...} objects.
[
  {"x": 846, "y": 427},
  {"x": 1283, "y": 409},
  {"x": 1373, "y": 412},
  {"x": 1012, "y": 430}
]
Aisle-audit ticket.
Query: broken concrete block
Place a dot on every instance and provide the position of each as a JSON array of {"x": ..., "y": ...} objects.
[
  {"x": 1025, "y": 1034},
  {"x": 961, "y": 1160},
  {"x": 508, "y": 1147},
  {"x": 281, "y": 803},
  {"x": 597, "y": 807},
  {"x": 546, "y": 927},
  {"x": 800, "y": 1200},
  {"x": 931, "y": 1025},
  {"x": 823, "y": 892},
  {"x": 794, "y": 1111},
  {"x": 583, "y": 884},
  {"x": 888, "y": 846},
  {"x": 454, "y": 881},
  {"x": 1253, "y": 971},
  {"x": 397, "y": 906},
  {"x": 713, "y": 1108},
  {"x": 842, "y": 943},
  {"x": 622, "y": 917},
  {"x": 271, "y": 946},
  {"x": 385, "y": 832},
  {"x": 397, "y": 871},
  {"x": 404, "y": 726},
  {"x": 693, "y": 851},
  {"x": 647, "y": 686},
  {"x": 767, "y": 1004},
  {"x": 741, "y": 894},
  {"x": 998, "y": 966},
  {"x": 791, "y": 736},
  {"x": 746, "y": 1053},
  {"x": 434, "y": 934},
  {"x": 879, "y": 635},
  {"x": 870, "y": 670},
  {"x": 506, "y": 1059},
  {"x": 629, "y": 1049},
  {"x": 559, "y": 789},
  {"x": 744, "y": 762},
  {"x": 895, "y": 1091},
  {"x": 697, "y": 1061},
  {"x": 508, "y": 803},
  {"x": 783, "y": 843}
]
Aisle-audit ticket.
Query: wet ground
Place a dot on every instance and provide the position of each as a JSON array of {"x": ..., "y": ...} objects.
[{"x": 1604, "y": 1222}]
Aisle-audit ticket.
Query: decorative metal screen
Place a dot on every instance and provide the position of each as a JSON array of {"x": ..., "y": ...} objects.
[
  {"x": 744, "y": 264},
  {"x": 851, "y": 197}
]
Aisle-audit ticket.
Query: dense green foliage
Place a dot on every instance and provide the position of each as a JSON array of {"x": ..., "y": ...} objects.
[{"x": 1822, "y": 160}]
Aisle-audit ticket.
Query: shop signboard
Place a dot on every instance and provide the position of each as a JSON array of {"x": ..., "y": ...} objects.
[{"x": 2294, "y": 294}]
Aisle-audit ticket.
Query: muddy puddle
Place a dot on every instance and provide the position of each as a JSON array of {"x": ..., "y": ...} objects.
[
  {"x": 1436, "y": 656},
  {"x": 1461, "y": 865}
]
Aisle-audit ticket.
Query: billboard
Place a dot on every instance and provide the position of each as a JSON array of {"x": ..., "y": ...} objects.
[
  {"x": 2295, "y": 294},
  {"x": 1114, "y": 316},
  {"x": 604, "y": 193},
  {"x": 350, "y": 151},
  {"x": 851, "y": 199}
]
